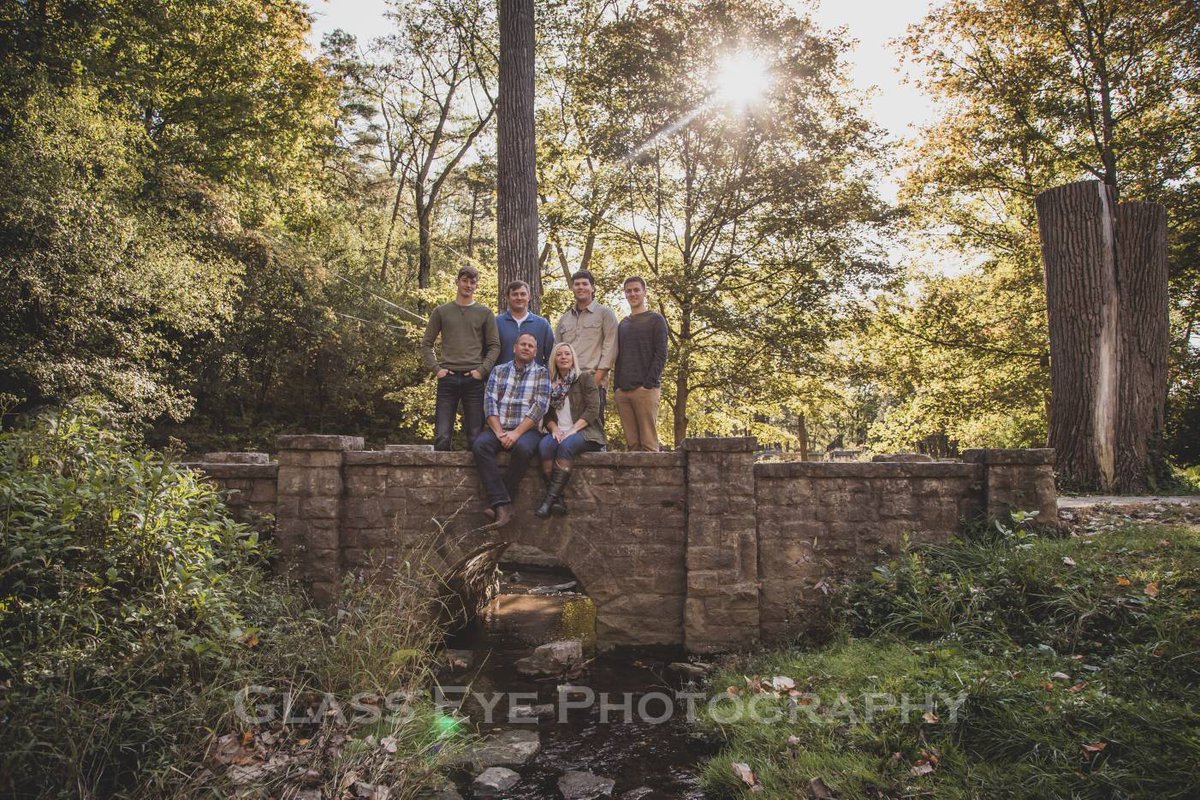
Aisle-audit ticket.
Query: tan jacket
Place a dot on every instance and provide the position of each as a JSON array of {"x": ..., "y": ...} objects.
[{"x": 593, "y": 334}]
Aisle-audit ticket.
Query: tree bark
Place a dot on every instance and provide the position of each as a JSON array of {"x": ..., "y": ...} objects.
[
  {"x": 1077, "y": 226},
  {"x": 802, "y": 436},
  {"x": 516, "y": 184},
  {"x": 1145, "y": 343},
  {"x": 1106, "y": 293}
]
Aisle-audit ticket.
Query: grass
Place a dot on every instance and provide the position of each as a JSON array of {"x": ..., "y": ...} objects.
[{"x": 1076, "y": 661}]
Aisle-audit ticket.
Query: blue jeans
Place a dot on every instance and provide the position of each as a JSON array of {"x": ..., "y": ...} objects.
[
  {"x": 451, "y": 390},
  {"x": 566, "y": 450},
  {"x": 503, "y": 490}
]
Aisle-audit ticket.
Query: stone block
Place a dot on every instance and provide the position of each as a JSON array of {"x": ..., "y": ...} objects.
[
  {"x": 322, "y": 535},
  {"x": 1031, "y": 456},
  {"x": 365, "y": 485},
  {"x": 293, "y": 481},
  {"x": 262, "y": 492},
  {"x": 711, "y": 558},
  {"x": 720, "y": 444},
  {"x": 315, "y": 442},
  {"x": 236, "y": 458},
  {"x": 287, "y": 508},
  {"x": 320, "y": 508}
]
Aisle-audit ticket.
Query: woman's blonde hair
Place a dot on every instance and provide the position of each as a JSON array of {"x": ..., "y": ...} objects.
[{"x": 554, "y": 360}]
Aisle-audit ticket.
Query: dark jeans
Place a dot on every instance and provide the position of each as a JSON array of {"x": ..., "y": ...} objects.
[
  {"x": 566, "y": 450},
  {"x": 502, "y": 490},
  {"x": 451, "y": 390}
]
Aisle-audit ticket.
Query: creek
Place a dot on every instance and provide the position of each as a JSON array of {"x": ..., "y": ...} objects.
[{"x": 649, "y": 757}]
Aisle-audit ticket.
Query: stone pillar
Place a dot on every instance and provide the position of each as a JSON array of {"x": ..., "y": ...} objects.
[
  {"x": 1017, "y": 480},
  {"x": 721, "y": 611},
  {"x": 309, "y": 506}
]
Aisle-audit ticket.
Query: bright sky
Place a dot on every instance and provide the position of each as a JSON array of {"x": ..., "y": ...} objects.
[{"x": 871, "y": 22}]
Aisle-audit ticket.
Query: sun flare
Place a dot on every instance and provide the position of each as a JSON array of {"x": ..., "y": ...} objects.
[{"x": 742, "y": 80}]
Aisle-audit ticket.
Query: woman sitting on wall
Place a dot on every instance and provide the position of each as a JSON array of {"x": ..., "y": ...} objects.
[{"x": 573, "y": 425}]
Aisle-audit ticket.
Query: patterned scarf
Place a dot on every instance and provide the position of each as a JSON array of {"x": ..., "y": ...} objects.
[{"x": 559, "y": 388}]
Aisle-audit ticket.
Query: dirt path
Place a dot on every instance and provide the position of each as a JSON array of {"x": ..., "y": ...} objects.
[{"x": 1090, "y": 501}]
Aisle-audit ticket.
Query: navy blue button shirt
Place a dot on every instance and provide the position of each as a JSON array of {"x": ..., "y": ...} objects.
[{"x": 510, "y": 330}]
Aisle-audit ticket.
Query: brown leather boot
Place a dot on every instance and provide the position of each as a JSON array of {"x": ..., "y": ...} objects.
[{"x": 504, "y": 515}]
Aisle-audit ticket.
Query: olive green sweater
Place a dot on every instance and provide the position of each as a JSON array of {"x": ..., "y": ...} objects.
[{"x": 470, "y": 339}]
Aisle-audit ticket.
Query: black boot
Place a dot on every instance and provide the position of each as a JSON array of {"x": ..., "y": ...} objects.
[
  {"x": 558, "y": 505},
  {"x": 554, "y": 493}
]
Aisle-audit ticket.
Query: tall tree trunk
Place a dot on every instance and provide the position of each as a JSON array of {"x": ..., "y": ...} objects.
[
  {"x": 1145, "y": 344},
  {"x": 425, "y": 244},
  {"x": 679, "y": 409},
  {"x": 1106, "y": 293},
  {"x": 391, "y": 231},
  {"x": 516, "y": 179},
  {"x": 1076, "y": 223},
  {"x": 471, "y": 222},
  {"x": 802, "y": 436}
]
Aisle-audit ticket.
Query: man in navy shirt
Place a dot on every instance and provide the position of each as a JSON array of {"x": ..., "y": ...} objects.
[{"x": 518, "y": 319}]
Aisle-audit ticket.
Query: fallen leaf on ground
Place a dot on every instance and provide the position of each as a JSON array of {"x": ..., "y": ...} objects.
[
  {"x": 744, "y": 773},
  {"x": 1094, "y": 747},
  {"x": 1070, "y": 562},
  {"x": 929, "y": 717},
  {"x": 818, "y": 790},
  {"x": 1122, "y": 580},
  {"x": 1061, "y": 676},
  {"x": 1151, "y": 589},
  {"x": 922, "y": 768},
  {"x": 1078, "y": 687}
]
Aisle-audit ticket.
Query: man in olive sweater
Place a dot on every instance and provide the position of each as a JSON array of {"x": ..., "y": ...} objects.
[
  {"x": 470, "y": 345},
  {"x": 642, "y": 353}
]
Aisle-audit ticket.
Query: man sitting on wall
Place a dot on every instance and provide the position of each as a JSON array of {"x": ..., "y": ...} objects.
[{"x": 515, "y": 400}]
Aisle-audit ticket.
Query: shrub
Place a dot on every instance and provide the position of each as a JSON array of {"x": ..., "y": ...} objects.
[{"x": 133, "y": 609}]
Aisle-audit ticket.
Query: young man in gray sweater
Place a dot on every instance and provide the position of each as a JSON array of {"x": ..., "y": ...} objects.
[
  {"x": 470, "y": 346},
  {"x": 642, "y": 353}
]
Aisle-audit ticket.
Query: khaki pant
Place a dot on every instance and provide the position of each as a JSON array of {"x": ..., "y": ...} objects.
[{"x": 639, "y": 417}]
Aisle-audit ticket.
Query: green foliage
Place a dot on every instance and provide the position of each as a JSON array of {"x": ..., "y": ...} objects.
[
  {"x": 106, "y": 277},
  {"x": 124, "y": 583},
  {"x": 134, "y": 609},
  {"x": 1075, "y": 660},
  {"x": 1035, "y": 93}
]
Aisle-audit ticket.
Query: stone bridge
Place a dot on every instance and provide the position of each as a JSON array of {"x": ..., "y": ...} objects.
[{"x": 703, "y": 547}]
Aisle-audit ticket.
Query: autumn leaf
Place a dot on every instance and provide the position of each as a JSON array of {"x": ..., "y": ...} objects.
[
  {"x": 781, "y": 683},
  {"x": 1122, "y": 580},
  {"x": 1151, "y": 589},
  {"x": 1095, "y": 747},
  {"x": 1079, "y": 687},
  {"x": 922, "y": 767},
  {"x": 744, "y": 773},
  {"x": 929, "y": 717}
]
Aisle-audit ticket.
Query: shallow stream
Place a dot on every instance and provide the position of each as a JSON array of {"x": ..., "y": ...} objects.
[{"x": 659, "y": 758}]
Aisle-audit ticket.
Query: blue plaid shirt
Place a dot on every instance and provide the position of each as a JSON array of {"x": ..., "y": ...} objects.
[{"x": 514, "y": 393}]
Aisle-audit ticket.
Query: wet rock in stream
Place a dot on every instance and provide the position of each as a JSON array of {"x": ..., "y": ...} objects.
[
  {"x": 494, "y": 781},
  {"x": 585, "y": 786}
]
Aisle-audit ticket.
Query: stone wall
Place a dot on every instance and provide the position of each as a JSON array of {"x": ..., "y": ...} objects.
[{"x": 701, "y": 547}]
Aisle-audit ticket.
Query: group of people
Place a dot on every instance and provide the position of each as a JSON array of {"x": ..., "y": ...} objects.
[{"x": 528, "y": 389}]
